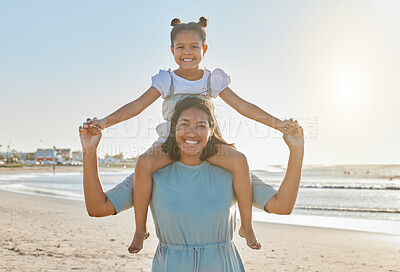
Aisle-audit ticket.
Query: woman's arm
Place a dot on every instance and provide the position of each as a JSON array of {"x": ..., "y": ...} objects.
[
  {"x": 283, "y": 202},
  {"x": 250, "y": 110},
  {"x": 97, "y": 204},
  {"x": 129, "y": 110}
]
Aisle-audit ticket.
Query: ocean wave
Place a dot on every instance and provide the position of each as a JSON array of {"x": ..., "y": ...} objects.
[
  {"x": 21, "y": 188},
  {"x": 352, "y": 186},
  {"x": 377, "y": 226},
  {"x": 348, "y": 209}
]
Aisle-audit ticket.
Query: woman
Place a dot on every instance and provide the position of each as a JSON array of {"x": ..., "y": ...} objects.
[{"x": 193, "y": 203}]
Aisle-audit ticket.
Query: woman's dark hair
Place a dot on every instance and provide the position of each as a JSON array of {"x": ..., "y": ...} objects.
[
  {"x": 170, "y": 146},
  {"x": 198, "y": 27}
]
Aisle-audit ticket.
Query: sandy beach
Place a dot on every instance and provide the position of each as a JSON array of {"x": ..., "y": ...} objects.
[{"x": 50, "y": 234}]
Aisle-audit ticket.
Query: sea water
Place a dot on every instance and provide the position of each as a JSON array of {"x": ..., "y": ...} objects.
[{"x": 365, "y": 198}]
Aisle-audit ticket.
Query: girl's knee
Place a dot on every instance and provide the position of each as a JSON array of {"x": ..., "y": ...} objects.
[
  {"x": 235, "y": 156},
  {"x": 240, "y": 160},
  {"x": 146, "y": 161},
  {"x": 153, "y": 159},
  {"x": 229, "y": 158},
  {"x": 143, "y": 163}
]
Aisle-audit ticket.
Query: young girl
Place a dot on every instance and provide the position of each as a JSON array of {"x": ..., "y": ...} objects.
[{"x": 188, "y": 46}]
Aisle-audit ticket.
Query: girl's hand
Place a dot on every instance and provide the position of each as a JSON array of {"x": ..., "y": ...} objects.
[
  {"x": 95, "y": 122},
  {"x": 294, "y": 138},
  {"x": 90, "y": 137},
  {"x": 289, "y": 125}
]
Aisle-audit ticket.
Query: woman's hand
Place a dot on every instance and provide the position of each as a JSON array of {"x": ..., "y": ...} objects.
[
  {"x": 287, "y": 125},
  {"x": 90, "y": 136},
  {"x": 294, "y": 137},
  {"x": 95, "y": 122}
]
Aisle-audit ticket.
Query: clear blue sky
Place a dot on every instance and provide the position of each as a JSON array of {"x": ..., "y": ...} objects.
[{"x": 333, "y": 65}]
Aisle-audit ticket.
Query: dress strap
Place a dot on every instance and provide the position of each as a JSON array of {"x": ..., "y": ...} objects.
[
  {"x": 171, "y": 85},
  {"x": 208, "y": 82}
]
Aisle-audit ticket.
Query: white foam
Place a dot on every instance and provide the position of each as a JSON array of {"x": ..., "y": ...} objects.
[
  {"x": 21, "y": 188},
  {"x": 377, "y": 226}
]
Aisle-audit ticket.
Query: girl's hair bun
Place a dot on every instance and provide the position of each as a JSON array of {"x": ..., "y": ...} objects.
[
  {"x": 175, "y": 22},
  {"x": 202, "y": 21}
]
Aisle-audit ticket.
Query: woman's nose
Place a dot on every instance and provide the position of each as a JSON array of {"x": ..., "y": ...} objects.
[{"x": 191, "y": 130}]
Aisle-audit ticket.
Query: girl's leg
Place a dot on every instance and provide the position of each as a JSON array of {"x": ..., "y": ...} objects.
[
  {"x": 234, "y": 161},
  {"x": 147, "y": 163}
]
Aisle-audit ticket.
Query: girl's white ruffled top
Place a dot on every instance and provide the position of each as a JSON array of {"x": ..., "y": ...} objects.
[{"x": 174, "y": 88}]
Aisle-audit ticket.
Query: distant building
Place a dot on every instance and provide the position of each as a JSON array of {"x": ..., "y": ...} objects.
[
  {"x": 9, "y": 153},
  {"x": 52, "y": 155},
  {"x": 109, "y": 160},
  {"x": 45, "y": 155},
  {"x": 77, "y": 156},
  {"x": 64, "y": 153},
  {"x": 26, "y": 155}
]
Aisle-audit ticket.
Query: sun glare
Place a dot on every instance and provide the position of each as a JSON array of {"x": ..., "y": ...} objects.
[
  {"x": 346, "y": 86},
  {"x": 347, "y": 94}
]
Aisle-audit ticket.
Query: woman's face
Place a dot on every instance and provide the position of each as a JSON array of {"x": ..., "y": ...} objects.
[{"x": 192, "y": 132}]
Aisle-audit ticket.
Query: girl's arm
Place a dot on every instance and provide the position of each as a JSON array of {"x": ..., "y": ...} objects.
[
  {"x": 250, "y": 110},
  {"x": 283, "y": 202},
  {"x": 129, "y": 110}
]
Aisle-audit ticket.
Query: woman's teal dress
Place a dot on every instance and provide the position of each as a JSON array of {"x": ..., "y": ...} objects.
[{"x": 193, "y": 209}]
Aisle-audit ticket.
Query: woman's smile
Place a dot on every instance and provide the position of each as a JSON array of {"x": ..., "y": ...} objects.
[{"x": 191, "y": 142}]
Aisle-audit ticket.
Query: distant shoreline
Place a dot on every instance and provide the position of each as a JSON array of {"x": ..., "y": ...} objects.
[{"x": 61, "y": 169}]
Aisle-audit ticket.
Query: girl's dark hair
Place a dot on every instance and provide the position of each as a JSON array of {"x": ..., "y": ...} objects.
[
  {"x": 171, "y": 147},
  {"x": 198, "y": 27}
]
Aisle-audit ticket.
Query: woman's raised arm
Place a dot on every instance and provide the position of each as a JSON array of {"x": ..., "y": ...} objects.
[
  {"x": 283, "y": 202},
  {"x": 97, "y": 204}
]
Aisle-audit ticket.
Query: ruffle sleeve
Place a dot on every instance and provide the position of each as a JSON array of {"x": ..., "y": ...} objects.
[
  {"x": 219, "y": 81},
  {"x": 161, "y": 82}
]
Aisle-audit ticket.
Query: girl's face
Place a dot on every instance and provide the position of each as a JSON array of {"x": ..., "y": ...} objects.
[
  {"x": 188, "y": 50},
  {"x": 192, "y": 132}
]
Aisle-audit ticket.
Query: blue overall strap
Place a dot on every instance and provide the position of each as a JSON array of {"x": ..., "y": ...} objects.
[
  {"x": 209, "y": 91},
  {"x": 171, "y": 85}
]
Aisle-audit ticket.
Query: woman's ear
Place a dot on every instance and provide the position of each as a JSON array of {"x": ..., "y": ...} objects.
[
  {"x": 172, "y": 50},
  {"x": 211, "y": 133}
]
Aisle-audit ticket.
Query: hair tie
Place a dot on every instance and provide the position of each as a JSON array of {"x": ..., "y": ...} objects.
[
  {"x": 203, "y": 22},
  {"x": 175, "y": 22}
]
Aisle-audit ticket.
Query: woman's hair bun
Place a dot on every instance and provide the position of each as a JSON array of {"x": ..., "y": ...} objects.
[
  {"x": 175, "y": 22},
  {"x": 202, "y": 21}
]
